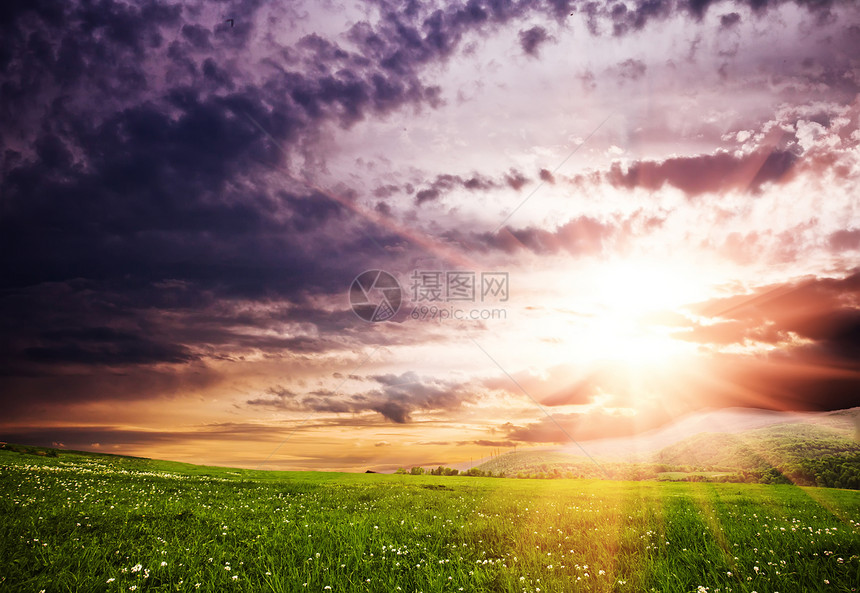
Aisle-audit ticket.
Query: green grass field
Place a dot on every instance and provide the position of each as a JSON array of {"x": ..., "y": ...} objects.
[{"x": 100, "y": 523}]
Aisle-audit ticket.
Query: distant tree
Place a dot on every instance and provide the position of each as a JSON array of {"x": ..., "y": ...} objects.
[
  {"x": 417, "y": 471},
  {"x": 444, "y": 471},
  {"x": 400, "y": 470},
  {"x": 774, "y": 476}
]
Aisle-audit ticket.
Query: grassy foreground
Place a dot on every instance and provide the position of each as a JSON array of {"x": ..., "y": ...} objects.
[{"x": 96, "y": 523}]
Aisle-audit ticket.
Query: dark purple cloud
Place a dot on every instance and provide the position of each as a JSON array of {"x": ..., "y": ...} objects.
[
  {"x": 532, "y": 39},
  {"x": 707, "y": 173},
  {"x": 439, "y": 186},
  {"x": 104, "y": 346},
  {"x": 729, "y": 20},
  {"x": 132, "y": 205},
  {"x": 396, "y": 398},
  {"x": 580, "y": 236}
]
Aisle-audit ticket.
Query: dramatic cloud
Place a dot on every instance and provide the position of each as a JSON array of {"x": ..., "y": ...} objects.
[
  {"x": 396, "y": 398},
  {"x": 445, "y": 183},
  {"x": 706, "y": 173},
  {"x": 186, "y": 202},
  {"x": 730, "y": 19},
  {"x": 821, "y": 314},
  {"x": 532, "y": 39}
]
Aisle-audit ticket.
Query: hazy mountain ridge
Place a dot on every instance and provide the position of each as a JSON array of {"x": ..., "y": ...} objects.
[
  {"x": 804, "y": 448},
  {"x": 639, "y": 447},
  {"x": 773, "y": 446}
]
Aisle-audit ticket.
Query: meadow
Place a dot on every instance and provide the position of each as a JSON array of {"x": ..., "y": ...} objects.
[{"x": 99, "y": 523}]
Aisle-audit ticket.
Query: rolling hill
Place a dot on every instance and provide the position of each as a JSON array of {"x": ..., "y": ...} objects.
[
  {"x": 773, "y": 446},
  {"x": 813, "y": 449}
]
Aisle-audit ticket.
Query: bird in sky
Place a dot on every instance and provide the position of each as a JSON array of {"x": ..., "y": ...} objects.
[{"x": 229, "y": 21}]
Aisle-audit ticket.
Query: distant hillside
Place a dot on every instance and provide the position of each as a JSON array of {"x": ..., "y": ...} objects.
[
  {"x": 548, "y": 463},
  {"x": 772, "y": 446},
  {"x": 820, "y": 450},
  {"x": 640, "y": 447}
]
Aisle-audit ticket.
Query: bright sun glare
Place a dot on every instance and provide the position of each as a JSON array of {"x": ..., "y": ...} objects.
[{"x": 623, "y": 299}]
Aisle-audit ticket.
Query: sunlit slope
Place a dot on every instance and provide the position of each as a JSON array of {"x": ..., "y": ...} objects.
[
  {"x": 547, "y": 462},
  {"x": 822, "y": 453},
  {"x": 782, "y": 444}
]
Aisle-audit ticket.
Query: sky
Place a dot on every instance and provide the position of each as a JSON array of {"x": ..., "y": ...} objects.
[{"x": 370, "y": 234}]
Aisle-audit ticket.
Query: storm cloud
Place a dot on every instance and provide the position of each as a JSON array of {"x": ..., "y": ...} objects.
[{"x": 396, "y": 398}]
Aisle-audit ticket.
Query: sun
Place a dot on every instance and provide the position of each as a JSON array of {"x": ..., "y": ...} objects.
[
  {"x": 628, "y": 304},
  {"x": 632, "y": 288},
  {"x": 634, "y": 346}
]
